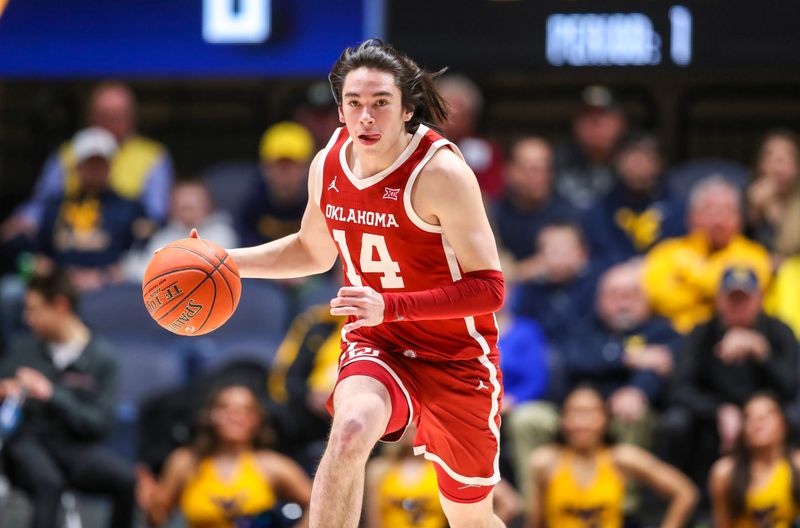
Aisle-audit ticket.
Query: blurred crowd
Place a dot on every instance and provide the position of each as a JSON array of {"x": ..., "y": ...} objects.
[{"x": 650, "y": 332}]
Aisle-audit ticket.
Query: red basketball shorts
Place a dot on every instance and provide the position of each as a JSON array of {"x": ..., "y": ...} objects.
[{"x": 455, "y": 405}]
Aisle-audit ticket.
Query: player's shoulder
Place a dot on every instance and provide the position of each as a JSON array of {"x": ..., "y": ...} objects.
[{"x": 446, "y": 170}]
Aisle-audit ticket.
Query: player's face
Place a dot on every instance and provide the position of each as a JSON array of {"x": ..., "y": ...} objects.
[
  {"x": 763, "y": 424},
  {"x": 235, "y": 415},
  {"x": 583, "y": 419},
  {"x": 372, "y": 109}
]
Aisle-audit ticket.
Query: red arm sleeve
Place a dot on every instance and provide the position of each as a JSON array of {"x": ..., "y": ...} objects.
[{"x": 477, "y": 293}]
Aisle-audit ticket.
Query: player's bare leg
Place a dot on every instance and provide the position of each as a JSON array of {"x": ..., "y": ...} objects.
[
  {"x": 473, "y": 515},
  {"x": 362, "y": 411}
]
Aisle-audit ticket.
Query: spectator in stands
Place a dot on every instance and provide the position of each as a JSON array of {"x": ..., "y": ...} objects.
[
  {"x": 228, "y": 477},
  {"x": 190, "y": 207},
  {"x": 318, "y": 113},
  {"x": 401, "y": 490},
  {"x": 580, "y": 481},
  {"x": 527, "y": 205},
  {"x": 274, "y": 207},
  {"x": 783, "y": 300},
  {"x": 558, "y": 296},
  {"x": 301, "y": 379},
  {"x": 584, "y": 170},
  {"x": 89, "y": 231},
  {"x": 623, "y": 351},
  {"x": 70, "y": 380},
  {"x": 722, "y": 364},
  {"x": 484, "y": 156},
  {"x": 773, "y": 199},
  {"x": 141, "y": 170},
  {"x": 758, "y": 484},
  {"x": 681, "y": 275},
  {"x": 637, "y": 212}
]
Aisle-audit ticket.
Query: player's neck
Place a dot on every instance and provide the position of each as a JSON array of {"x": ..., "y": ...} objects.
[{"x": 365, "y": 163}]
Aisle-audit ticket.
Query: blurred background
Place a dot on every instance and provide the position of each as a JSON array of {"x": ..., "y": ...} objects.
[{"x": 639, "y": 163}]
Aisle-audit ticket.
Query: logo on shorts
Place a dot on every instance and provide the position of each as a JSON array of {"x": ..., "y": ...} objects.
[
  {"x": 481, "y": 385},
  {"x": 390, "y": 194},
  {"x": 409, "y": 353}
]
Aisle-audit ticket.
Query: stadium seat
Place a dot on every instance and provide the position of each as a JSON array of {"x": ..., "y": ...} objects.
[{"x": 229, "y": 183}]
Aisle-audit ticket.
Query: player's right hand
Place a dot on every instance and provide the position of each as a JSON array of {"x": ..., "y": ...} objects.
[{"x": 360, "y": 301}]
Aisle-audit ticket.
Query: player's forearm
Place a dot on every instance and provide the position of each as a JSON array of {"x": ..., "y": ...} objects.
[
  {"x": 285, "y": 258},
  {"x": 477, "y": 293}
]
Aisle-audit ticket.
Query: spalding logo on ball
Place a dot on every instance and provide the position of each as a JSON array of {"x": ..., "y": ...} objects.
[{"x": 191, "y": 286}]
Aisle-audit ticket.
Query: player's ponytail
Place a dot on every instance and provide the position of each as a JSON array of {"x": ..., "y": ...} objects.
[{"x": 417, "y": 86}]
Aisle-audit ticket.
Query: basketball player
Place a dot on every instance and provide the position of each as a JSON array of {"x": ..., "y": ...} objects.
[{"x": 398, "y": 204}]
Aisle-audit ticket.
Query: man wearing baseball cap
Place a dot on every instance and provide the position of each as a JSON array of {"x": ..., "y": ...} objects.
[
  {"x": 583, "y": 165},
  {"x": 275, "y": 205},
  {"x": 723, "y": 362},
  {"x": 88, "y": 231}
]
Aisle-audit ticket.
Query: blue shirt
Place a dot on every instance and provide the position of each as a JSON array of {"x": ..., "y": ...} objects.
[
  {"x": 523, "y": 359},
  {"x": 594, "y": 354},
  {"x": 90, "y": 231},
  {"x": 556, "y": 307},
  {"x": 263, "y": 218},
  {"x": 517, "y": 229},
  {"x": 624, "y": 225}
]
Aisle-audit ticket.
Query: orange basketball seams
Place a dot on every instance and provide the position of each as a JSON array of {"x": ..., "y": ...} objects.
[{"x": 191, "y": 287}]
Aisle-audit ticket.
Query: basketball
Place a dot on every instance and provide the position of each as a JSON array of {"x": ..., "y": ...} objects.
[{"x": 191, "y": 286}]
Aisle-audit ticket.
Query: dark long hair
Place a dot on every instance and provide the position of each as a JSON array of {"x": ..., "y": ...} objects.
[
  {"x": 206, "y": 442},
  {"x": 417, "y": 86},
  {"x": 740, "y": 478},
  {"x": 608, "y": 438}
]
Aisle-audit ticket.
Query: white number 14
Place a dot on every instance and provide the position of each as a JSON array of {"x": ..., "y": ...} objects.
[{"x": 369, "y": 244}]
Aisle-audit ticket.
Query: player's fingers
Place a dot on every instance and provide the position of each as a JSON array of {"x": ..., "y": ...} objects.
[
  {"x": 352, "y": 326},
  {"x": 347, "y": 310},
  {"x": 352, "y": 291},
  {"x": 193, "y": 233},
  {"x": 348, "y": 301}
]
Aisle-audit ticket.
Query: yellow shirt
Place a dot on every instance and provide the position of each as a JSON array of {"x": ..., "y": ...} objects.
[
  {"x": 405, "y": 504},
  {"x": 568, "y": 504},
  {"x": 771, "y": 505},
  {"x": 783, "y": 300},
  {"x": 209, "y": 502},
  {"x": 681, "y": 275}
]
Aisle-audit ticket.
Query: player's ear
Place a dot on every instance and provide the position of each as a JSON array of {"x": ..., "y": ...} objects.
[
  {"x": 341, "y": 114},
  {"x": 407, "y": 115}
]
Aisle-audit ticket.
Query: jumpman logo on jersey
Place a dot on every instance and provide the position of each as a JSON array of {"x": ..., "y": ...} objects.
[
  {"x": 332, "y": 186},
  {"x": 481, "y": 385}
]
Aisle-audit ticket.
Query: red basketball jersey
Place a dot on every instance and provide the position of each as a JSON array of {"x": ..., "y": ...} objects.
[{"x": 385, "y": 245}]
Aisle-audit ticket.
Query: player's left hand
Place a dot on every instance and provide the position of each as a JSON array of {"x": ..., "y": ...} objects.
[{"x": 361, "y": 301}]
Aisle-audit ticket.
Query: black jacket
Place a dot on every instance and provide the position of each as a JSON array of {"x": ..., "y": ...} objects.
[
  {"x": 703, "y": 382},
  {"x": 83, "y": 406}
]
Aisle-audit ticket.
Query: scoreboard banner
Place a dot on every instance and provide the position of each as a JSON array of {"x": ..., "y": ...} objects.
[
  {"x": 547, "y": 35},
  {"x": 179, "y": 38}
]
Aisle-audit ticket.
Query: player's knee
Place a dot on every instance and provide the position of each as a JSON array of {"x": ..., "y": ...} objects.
[{"x": 351, "y": 438}]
